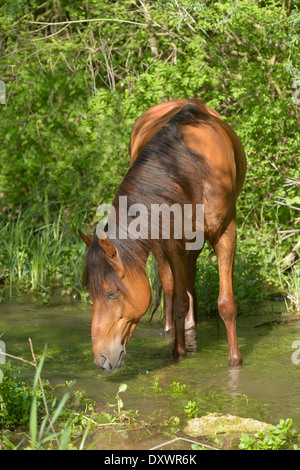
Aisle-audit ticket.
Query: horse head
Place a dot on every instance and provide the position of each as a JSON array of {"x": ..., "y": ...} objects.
[{"x": 121, "y": 295}]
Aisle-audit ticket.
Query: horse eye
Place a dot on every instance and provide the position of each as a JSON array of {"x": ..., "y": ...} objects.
[{"x": 113, "y": 294}]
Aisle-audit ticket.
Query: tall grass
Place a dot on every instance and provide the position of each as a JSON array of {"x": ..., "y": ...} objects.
[{"x": 39, "y": 259}]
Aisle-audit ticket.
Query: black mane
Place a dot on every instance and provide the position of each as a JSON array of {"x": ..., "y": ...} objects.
[{"x": 165, "y": 171}]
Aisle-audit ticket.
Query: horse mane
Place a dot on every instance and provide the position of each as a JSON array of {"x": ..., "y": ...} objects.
[
  {"x": 166, "y": 170},
  {"x": 163, "y": 172}
]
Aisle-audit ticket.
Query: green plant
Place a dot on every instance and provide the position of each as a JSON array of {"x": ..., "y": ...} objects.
[
  {"x": 33, "y": 407},
  {"x": 198, "y": 447},
  {"x": 177, "y": 387},
  {"x": 155, "y": 385},
  {"x": 191, "y": 409},
  {"x": 119, "y": 405},
  {"x": 41, "y": 259},
  {"x": 92, "y": 79},
  {"x": 17, "y": 395},
  {"x": 277, "y": 438}
]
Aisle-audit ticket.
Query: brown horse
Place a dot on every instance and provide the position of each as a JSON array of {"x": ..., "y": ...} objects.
[
  {"x": 144, "y": 128},
  {"x": 183, "y": 154}
]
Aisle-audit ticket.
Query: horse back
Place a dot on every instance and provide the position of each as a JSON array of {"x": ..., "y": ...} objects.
[
  {"x": 219, "y": 143},
  {"x": 150, "y": 122}
]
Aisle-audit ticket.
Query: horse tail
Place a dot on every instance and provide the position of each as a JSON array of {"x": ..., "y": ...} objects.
[{"x": 155, "y": 287}]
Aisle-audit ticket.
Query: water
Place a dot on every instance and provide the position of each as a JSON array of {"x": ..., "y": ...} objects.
[{"x": 266, "y": 387}]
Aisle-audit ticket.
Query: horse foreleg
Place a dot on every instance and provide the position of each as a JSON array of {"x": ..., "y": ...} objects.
[
  {"x": 166, "y": 279},
  {"x": 225, "y": 251},
  {"x": 180, "y": 303}
]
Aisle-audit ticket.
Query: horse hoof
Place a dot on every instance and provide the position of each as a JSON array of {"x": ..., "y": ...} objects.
[
  {"x": 177, "y": 355},
  {"x": 235, "y": 361},
  {"x": 169, "y": 331}
]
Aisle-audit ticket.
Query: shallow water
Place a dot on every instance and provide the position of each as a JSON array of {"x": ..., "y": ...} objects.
[{"x": 266, "y": 387}]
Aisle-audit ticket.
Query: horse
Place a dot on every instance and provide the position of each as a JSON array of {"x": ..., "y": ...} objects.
[
  {"x": 182, "y": 154},
  {"x": 144, "y": 128}
]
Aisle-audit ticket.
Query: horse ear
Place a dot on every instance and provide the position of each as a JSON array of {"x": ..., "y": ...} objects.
[
  {"x": 111, "y": 252},
  {"x": 87, "y": 240}
]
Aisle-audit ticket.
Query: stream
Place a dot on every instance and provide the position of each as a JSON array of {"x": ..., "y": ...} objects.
[{"x": 266, "y": 387}]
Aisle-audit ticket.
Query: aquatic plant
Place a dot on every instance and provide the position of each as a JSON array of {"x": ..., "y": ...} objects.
[
  {"x": 277, "y": 438},
  {"x": 177, "y": 387},
  {"x": 191, "y": 409}
]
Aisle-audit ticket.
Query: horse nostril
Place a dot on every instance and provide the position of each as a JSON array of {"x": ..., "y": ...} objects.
[
  {"x": 121, "y": 358},
  {"x": 105, "y": 365}
]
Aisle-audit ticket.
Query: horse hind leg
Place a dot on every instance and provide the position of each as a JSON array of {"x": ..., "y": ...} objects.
[
  {"x": 225, "y": 251},
  {"x": 191, "y": 268},
  {"x": 166, "y": 279}
]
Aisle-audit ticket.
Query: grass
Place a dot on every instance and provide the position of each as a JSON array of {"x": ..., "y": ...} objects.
[
  {"x": 39, "y": 260},
  {"x": 49, "y": 421}
]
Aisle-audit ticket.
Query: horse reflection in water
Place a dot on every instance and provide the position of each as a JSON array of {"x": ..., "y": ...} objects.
[{"x": 181, "y": 152}]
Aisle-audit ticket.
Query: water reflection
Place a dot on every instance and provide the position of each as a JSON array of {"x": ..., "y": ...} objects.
[
  {"x": 234, "y": 384},
  {"x": 191, "y": 342}
]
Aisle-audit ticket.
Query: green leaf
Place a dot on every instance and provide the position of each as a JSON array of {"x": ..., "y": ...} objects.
[
  {"x": 33, "y": 422},
  {"x": 58, "y": 410},
  {"x": 39, "y": 369},
  {"x": 122, "y": 388}
]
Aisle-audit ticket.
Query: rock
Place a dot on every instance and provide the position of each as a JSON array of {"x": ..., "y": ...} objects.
[{"x": 223, "y": 423}]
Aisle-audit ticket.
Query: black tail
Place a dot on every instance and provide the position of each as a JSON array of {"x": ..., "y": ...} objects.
[{"x": 155, "y": 287}]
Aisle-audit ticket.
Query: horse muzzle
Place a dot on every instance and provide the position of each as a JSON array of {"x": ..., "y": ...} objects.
[{"x": 110, "y": 360}]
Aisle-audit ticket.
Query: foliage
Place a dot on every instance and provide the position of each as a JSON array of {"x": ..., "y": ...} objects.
[
  {"x": 78, "y": 74},
  {"x": 155, "y": 386},
  {"x": 277, "y": 438},
  {"x": 280, "y": 437},
  {"x": 48, "y": 419},
  {"x": 52, "y": 420},
  {"x": 16, "y": 396},
  {"x": 177, "y": 387},
  {"x": 191, "y": 409},
  {"x": 119, "y": 405},
  {"x": 40, "y": 258}
]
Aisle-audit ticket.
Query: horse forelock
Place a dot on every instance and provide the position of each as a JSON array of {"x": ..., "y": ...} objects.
[{"x": 97, "y": 271}]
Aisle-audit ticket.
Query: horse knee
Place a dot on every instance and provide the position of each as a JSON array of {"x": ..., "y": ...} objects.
[
  {"x": 227, "y": 308},
  {"x": 181, "y": 307}
]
